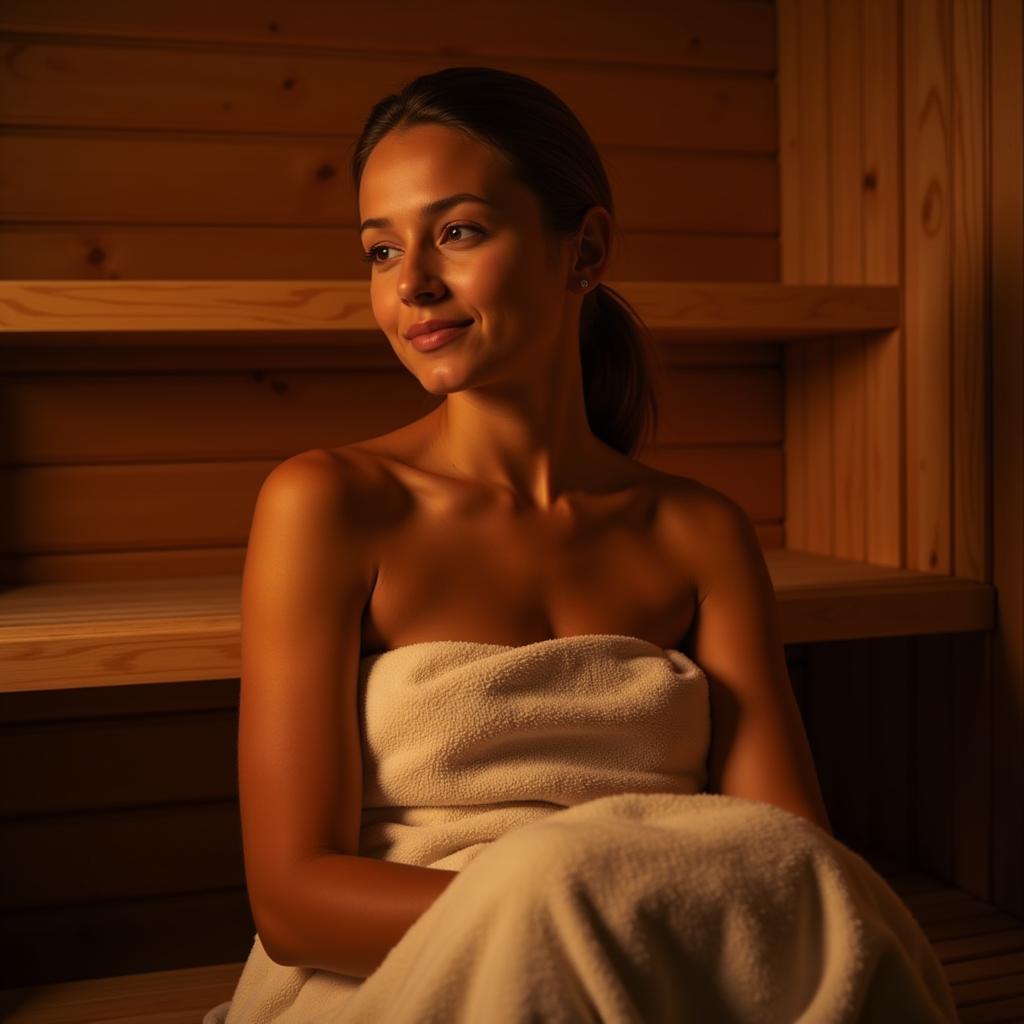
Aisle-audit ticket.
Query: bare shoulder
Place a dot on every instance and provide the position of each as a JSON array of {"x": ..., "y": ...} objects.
[
  {"x": 706, "y": 526},
  {"x": 316, "y": 507},
  {"x": 336, "y": 481}
]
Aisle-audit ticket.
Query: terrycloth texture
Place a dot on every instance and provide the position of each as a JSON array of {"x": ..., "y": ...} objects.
[{"x": 596, "y": 882}]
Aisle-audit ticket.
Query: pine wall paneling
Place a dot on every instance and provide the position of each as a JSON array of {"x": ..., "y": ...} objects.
[
  {"x": 1006, "y": 239},
  {"x": 211, "y": 141},
  {"x": 885, "y": 158}
]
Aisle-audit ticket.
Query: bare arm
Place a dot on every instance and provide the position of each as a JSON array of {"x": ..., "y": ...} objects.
[
  {"x": 308, "y": 574},
  {"x": 759, "y": 748},
  {"x": 345, "y": 913}
]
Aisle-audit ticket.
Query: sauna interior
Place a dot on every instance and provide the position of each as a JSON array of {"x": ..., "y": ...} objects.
[{"x": 821, "y": 205}]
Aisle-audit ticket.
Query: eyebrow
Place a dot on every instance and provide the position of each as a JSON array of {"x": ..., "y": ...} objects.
[{"x": 437, "y": 206}]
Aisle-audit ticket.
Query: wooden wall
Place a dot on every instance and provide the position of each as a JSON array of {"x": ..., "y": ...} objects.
[
  {"x": 1005, "y": 241},
  {"x": 186, "y": 141},
  {"x": 901, "y": 162}
]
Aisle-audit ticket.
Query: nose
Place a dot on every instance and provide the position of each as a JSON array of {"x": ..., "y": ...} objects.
[{"x": 417, "y": 281}]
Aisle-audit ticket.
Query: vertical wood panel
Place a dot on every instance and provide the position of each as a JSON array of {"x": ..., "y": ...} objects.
[
  {"x": 971, "y": 401},
  {"x": 935, "y": 746},
  {"x": 970, "y": 273},
  {"x": 891, "y": 738},
  {"x": 884, "y": 429},
  {"x": 806, "y": 241},
  {"x": 849, "y": 695},
  {"x": 972, "y": 775},
  {"x": 792, "y": 175},
  {"x": 900, "y": 161},
  {"x": 822, "y": 729},
  {"x": 1007, "y": 247},
  {"x": 847, "y": 259},
  {"x": 927, "y": 285}
]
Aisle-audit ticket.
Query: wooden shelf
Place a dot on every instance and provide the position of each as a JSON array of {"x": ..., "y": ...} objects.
[
  {"x": 65, "y": 635},
  {"x": 138, "y": 313}
]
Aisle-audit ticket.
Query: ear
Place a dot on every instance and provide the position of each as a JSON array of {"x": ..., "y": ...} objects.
[{"x": 593, "y": 246}]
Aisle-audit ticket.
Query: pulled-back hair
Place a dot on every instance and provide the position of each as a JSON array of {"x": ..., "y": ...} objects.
[{"x": 551, "y": 153}]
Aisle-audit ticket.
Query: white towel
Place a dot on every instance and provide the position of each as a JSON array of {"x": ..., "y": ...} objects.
[{"x": 563, "y": 780}]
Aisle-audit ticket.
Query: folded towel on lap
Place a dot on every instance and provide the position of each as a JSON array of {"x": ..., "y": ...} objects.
[{"x": 597, "y": 882}]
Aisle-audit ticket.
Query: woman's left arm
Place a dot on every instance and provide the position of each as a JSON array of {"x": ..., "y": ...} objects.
[{"x": 759, "y": 748}]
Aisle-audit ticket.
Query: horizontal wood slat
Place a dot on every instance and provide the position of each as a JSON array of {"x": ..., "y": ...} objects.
[
  {"x": 139, "y": 505},
  {"x": 48, "y": 710},
  {"x": 306, "y": 181},
  {"x": 70, "y": 767},
  {"x": 125, "y": 417},
  {"x": 161, "y": 997},
  {"x": 66, "y": 635},
  {"x": 260, "y": 352},
  {"x": 54, "y": 861},
  {"x": 179, "y": 562},
  {"x": 115, "y": 251},
  {"x": 700, "y": 33},
  {"x": 146, "y": 934},
  {"x": 681, "y": 310},
  {"x": 83, "y": 84}
]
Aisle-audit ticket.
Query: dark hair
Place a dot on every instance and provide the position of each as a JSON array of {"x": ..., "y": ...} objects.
[{"x": 551, "y": 153}]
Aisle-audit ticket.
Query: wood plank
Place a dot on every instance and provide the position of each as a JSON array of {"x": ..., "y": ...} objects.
[
  {"x": 1007, "y": 247},
  {"x": 889, "y": 780},
  {"x": 972, "y": 763},
  {"x": 805, "y": 237},
  {"x": 970, "y": 341},
  {"x": 154, "y": 933},
  {"x": 254, "y": 180},
  {"x": 987, "y": 967},
  {"x": 132, "y": 506},
  {"x": 266, "y": 352},
  {"x": 55, "y": 636},
  {"x": 935, "y": 741},
  {"x": 113, "y": 251},
  {"x": 1002, "y": 1011},
  {"x": 882, "y": 230},
  {"x": 701, "y": 33},
  {"x": 848, "y": 391},
  {"x": 987, "y": 990},
  {"x": 175, "y": 563},
  {"x": 971, "y": 947},
  {"x": 127, "y": 417},
  {"x": 168, "y": 997},
  {"x": 123, "y": 853},
  {"x": 847, "y": 690},
  {"x": 970, "y": 927},
  {"x": 679, "y": 310},
  {"x": 928, "y": 284},
  {"x": 110, "y": 763},
  {"x": 82, "y": 83},
  {"x": 48, "y": 707},
  {"x": 821, "y": 726}
]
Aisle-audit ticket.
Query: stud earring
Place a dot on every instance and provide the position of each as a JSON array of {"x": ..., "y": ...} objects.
[{"x": 584, "y": 282}]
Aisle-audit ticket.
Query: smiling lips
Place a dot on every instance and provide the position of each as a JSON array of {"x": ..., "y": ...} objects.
[
  {"x": 429, "y": 326},
  {"x": 431, "y": 334}
]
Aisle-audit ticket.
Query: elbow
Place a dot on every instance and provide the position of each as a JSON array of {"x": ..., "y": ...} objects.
[
  {"x": 273, "y": 950},
  {"x": 272, "y": 936}
]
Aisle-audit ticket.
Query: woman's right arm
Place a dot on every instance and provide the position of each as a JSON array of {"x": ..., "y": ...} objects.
[{"x": 309, "y": 572}]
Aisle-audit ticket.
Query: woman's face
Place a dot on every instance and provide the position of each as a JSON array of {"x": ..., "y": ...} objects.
[{"x": 490, "y": 260}]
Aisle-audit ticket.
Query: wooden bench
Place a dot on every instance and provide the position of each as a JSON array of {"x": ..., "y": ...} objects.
[
  {"x": 981, "y": 949},
  {"x": 157, "y": 623}
]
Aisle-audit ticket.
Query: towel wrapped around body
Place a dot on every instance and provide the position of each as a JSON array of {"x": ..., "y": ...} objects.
[{"x": 597, "y": 882}]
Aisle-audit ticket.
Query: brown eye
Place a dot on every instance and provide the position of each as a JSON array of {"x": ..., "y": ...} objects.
[{"x": 461, "y": 227}]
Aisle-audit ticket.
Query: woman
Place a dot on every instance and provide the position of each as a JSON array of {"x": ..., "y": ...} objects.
[{"x": 511, "y": 515}]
